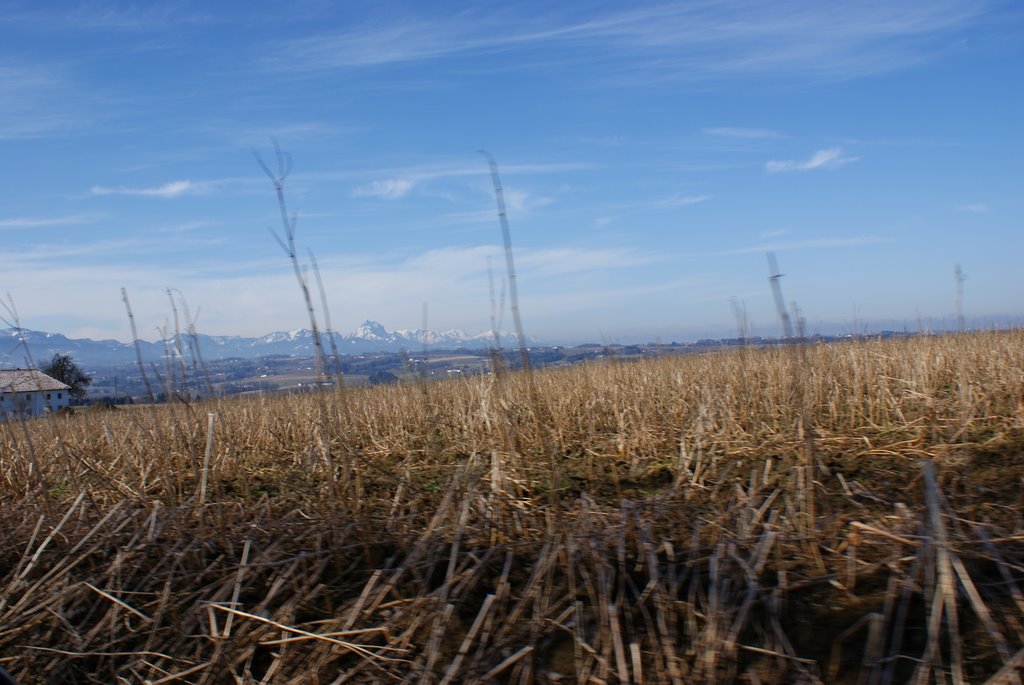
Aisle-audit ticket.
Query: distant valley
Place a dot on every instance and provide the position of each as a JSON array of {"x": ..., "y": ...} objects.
[{"x": 283, "y": 362}]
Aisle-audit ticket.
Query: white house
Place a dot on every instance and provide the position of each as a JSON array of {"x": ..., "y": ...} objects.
[{"x": 28, "y": 392}]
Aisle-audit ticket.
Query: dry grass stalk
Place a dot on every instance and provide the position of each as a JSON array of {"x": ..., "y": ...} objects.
[
  {"x": 1009, "y": 673},
  {"x": 287, "y": 244},
  {"x": 212, "y": 417},
  {"x": 681, "y": 552},
  {"x": 138, "y": 348}
]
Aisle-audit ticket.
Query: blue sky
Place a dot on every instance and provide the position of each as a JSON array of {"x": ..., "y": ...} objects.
[{"x": 651, "y": 154}]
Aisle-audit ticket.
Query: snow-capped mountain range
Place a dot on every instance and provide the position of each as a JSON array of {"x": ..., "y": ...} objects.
[{"x": 369, "y": 337}]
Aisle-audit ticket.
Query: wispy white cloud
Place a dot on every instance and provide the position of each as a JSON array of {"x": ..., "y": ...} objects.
[
  {"x": 744, "y": 133},
  {"x": 811, "y": 243},
  {"x": 102, "y": 254},
  {"x": 522, "y": 201},
  {"x": 103, "y": 15},
  {"x": 420, "y": 174},
  {"x": 974, "y": 208},
  {"x": 39, "y": 222},
  {"x": 603, "y": 141},
  {"x": 678, "y": 40},
  {"x": 183, "y": 227},
  {"x": 775, "y": 233},
  {"x": 906, "y": 142},
  {"x": 390, "y": 189},
  {"x": 258, "y": 135},
  {"x": 560, "y": 261},
  {"x": 167, "y": 190},
  {"x": 36, "y": 100},
  {"x": 139, "y": 18},
  {"x": 391, "y": 287},
  {"x": 680, "y": 200},
  {"x": 702, "y": 168},
  {"x": 831, "y": 158},
  {"x": 398, "y": 182}
]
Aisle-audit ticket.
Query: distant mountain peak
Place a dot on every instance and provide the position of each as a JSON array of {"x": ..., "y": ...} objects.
[
  {"x": 371, "y": 330},
  {"x": 370, "y": 337},
  {"x": 285, "y": 336}
]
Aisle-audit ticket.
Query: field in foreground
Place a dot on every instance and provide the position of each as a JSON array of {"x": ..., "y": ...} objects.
[{"x": 841, "y": 514}]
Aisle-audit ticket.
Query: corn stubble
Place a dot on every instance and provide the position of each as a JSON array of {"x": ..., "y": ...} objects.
[{"x": 846, "y": 514}]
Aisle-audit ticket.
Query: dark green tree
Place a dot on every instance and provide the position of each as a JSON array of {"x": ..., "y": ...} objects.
[
  {"x": 382, "y": 378},
  {"x": 63, "y": 368}
]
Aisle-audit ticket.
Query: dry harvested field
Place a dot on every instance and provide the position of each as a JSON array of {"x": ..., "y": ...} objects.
[{"x": 845, "y": 513}]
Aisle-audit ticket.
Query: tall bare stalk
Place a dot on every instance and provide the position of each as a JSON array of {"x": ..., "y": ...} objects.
[
  {"x": 780, "y": 304},
  {"x": 524, "y": 356},
  {"x": 510, "y": 265},
  {"x": 138, "y": 347},
  {"x": 284, "y": 167},
  {"x": 15, "y": 323},
  {"x": 179, "y": 351},
  {"x": 497, "y": 312},
  {"x": 960, "y": 278},
  {"x": 335, "y": 357},
  {"x": 193, "y": 339}
]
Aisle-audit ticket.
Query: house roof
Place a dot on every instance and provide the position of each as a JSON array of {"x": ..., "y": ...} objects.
[{"x": 28, "y": 380}]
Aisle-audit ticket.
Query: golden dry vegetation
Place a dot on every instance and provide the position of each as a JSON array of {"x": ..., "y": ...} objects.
[{"x": 846, "y": 513}]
